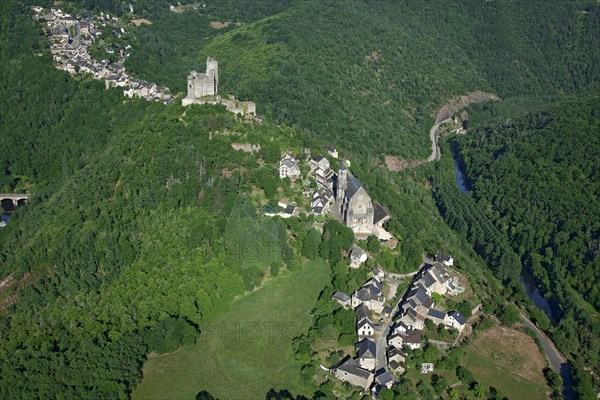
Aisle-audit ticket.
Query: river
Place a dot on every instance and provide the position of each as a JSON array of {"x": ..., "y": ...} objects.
[{"x": 533, "y": 292}]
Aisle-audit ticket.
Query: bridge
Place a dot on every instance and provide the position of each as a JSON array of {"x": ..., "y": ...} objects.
[{"x": 15, "y": 198}]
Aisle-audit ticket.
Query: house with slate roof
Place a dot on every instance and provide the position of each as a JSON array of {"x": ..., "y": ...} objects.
[
  {"x": 289, "y": 167},
  {"x": 366, "y": 351},
  {"x": 456, "y": 320},
  {"x": 350, "y": 371},
  {"x": 365, "y": 328},
  {"x": 342, "y": 298}
]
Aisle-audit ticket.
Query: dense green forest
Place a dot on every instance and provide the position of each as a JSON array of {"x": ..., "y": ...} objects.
[
  {"x": 145, "y": 221},
  {"x": 535, "y": 176},
  {"x": 356, "y": 72}
]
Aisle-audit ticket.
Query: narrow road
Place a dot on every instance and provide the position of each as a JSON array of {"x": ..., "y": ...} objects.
[
  {"x": 434, "y": 135},
  {"x": 556, "y": 359}
]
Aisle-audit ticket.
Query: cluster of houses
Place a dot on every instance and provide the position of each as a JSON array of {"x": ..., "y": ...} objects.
[
  {"x": 70, "y": 41},
  {"x": 416, "y": 306},
  {"x": 322, "y": 197},
  {"x": 353, "y": 205},
  {"x": 366, "y": 301}
]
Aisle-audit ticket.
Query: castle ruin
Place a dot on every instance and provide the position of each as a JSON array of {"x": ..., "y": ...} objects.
[
  {"x": 203, "y": 88},
  {"x": 204, "y": 84}
]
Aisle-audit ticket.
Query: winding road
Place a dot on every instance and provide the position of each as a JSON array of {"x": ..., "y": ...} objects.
[{"x": 555, "y": 358}]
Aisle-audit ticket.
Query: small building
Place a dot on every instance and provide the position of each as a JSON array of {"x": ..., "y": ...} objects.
[
  {"x": 387, "y": 311},
  {"x": 426, "y": 368},
  {"x": 396, "y": 367},
  {"x": 342, "y": 298},
  {"x": 320, "y": 162},
  {"x": 444, "y": 259},
  {"x": 456, "y": 320},
  {"x": 362, "y": 311},
  {"x": 321, "y": 201},
  {"x": 289, "y": 211},
  {"x": 384, "y": 379},
  {"x": 350, "y": 371},
  {"x": 365, "y": 328},
  {"x": 378, "y": 273},
  {"x": 436, "y": 316},
  {"x": 396, "y": 340},
  {"x": 357, "y": 256},
  {"x": 366, "y": 351},
  {"x": 289, "y": 167},
  {"x": 412, "y": 339},
  {"x": 380, "y": 215},
  {"x": 395, "y": 354},
  {"x": 332, "y": 151}
]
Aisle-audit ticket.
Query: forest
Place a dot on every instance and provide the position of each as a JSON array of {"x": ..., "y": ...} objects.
[
  {"x": 144, "y": 221},
  {"x": 355, "y": 72},
  {"x": 535, "y": 177}
]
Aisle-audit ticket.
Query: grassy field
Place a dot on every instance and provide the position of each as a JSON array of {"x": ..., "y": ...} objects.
[
  {"x": 510, "y": 361},
  {"x": 246, "y": 350}
]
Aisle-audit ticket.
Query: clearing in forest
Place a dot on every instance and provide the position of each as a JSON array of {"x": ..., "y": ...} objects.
[{"x": 247, "y": 349}]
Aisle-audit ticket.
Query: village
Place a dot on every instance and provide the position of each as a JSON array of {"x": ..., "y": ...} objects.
[
  {"x": 387, "y": 328},
  {"x": 70, "y": 41}
]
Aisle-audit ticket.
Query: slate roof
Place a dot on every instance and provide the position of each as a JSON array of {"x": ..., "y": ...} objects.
[
  {"x": 289, "y": 209},
  {"x": 380, "y": 213},
  {"x": 318, "y": 158},
  {"x": 352, "y": 367},
  {"x": 458, "y": 317},
  {"x": 363, "y": 322},
  {"x": 387, "y": 310},
  {"x": 395, "y": 352},
  {"x": 442, "y": 257},
  {"x": 384, "y": 377},
  {"x": 439, "y": 272},
  {"x": 436, "y": 313},
  {"x": 395, "y": 365},
  {"x": 364, "y": 294},
  {"x": 366, "y": 348},
  {"x": 362, "y": 311},
  {"x": 354, "y": 186},
  {"x": 375, "y": 286},
  {"x": 341, "y": 296}
]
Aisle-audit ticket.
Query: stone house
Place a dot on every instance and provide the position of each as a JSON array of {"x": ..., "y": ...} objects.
[
  {"x": 395, "y": 354},
  {"x": 436, "y": 316},
  {"x": 342, "y": 298},
  {"x": 350, "y": 371},
  {"x": 366, "y": 351},
  {"x": 396, "y": 340},
  {"x": 456, "y": 320},
  {"x": 365, "y": 328},
  {"x": 357, "y": 256},
  {"x": 412, "y": 340},
  {"x": 435, "y": 279},
  {"x": 321, "y": 201},
  {"x": 289, "y": 167}
]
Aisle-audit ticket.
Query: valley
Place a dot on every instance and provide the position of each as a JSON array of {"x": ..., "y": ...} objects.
[{"x": 338, "y": 205}]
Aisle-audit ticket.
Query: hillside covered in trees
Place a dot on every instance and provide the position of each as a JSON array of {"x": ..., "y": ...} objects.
[
  {"x": 536, "y": 176},
  {"x": 363, "y": 72},
  {"x": 133, "y": 236}
]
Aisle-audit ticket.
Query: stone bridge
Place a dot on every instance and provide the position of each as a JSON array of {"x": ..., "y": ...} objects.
[{"x": 15, "y": 198}]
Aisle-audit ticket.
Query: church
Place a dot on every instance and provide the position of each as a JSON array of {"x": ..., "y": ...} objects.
[{"x": 356, "y": 208}]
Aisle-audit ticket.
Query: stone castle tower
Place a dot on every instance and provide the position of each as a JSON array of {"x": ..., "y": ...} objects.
[{"x": 204, "y": 84}]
